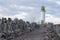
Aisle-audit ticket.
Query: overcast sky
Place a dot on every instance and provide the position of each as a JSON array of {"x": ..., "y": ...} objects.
[{"x": 30, "y": 9}]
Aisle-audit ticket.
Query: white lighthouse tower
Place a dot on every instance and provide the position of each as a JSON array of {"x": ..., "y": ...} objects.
[{"x": 42, "y": 15}]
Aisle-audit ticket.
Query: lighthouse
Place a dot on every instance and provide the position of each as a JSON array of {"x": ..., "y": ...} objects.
[{"x": 42, "y": 15}]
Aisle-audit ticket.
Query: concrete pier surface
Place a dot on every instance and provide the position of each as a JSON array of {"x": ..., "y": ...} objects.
[
  {"x": 34, "y": 35},
  {"x": 37, "y": 34}
]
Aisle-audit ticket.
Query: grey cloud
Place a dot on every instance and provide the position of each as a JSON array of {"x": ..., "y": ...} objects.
[{"x": 52, "y": 6}]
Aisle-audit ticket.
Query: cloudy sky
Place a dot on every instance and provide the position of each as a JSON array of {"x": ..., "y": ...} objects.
[{"x": 30, "y": 9}]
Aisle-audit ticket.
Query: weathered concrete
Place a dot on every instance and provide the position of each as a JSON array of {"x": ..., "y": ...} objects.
[{"x": 35, "y": 35}]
